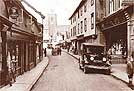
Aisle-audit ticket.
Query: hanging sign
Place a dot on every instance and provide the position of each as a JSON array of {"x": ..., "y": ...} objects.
[{"x": 13, "y": 12}]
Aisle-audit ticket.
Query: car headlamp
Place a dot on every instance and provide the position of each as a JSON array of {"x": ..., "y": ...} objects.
[
  {"x": 104, "y": 59},
  {"x": 91, "y": 58}
]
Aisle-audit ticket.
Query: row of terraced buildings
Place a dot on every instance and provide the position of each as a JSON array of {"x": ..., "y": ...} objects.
[
  {"x": 107, "y": 22},
  {"x": 20, "y": 39}
]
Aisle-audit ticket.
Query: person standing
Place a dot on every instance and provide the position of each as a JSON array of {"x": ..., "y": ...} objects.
[
  {"x": 45, "y": 52},
  {"x": 130, "y": 68}
]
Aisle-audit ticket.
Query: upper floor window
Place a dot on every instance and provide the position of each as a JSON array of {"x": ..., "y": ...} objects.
[
  {"x": 71, "y": 20},
  {"x": 74, "y": 18},
  {"x": 120, "y": 3},
  {"x": 71, "y": 32},
  {"x": 85, "y": 24},
  {"x": 85, "y": 7},
  {"x": 81, "y": 26},
  {"x": 74, "y": 30},
  {"x": 92, "y": 2},
  {"x": 81, "y": 11},
  {"x": 78, "y": 14},
  {"x": 111, "y": 4},
  {"x": 78, "y": 28},
  {"x": 92, "y": 21}
]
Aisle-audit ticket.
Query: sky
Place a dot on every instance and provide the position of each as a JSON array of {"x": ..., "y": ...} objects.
[{"x": 63, "y": 9}]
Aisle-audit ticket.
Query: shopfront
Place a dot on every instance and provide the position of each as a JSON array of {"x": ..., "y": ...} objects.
[
  {"x": 80, "y": 40},
  {"x": 5, "y": 25},
  {"x": 116, "y": 32}
]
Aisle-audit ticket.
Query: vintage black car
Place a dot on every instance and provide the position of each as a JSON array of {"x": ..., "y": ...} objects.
[{"x": 93, "y": 59}]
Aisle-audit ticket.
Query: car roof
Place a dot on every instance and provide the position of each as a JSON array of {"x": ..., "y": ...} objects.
[{"x": 93, "y": 44}]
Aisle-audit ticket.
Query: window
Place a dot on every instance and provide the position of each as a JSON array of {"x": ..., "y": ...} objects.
[
  {"x": 71, "y": 20},
  {"x": 92, "y": 21},
  {"x": 81, "y": 11},
  {"x": 20, "y": 19},
  {"x": 120, "y": 3},
  {"x": 78, "y": 14},
  {"x": 81, "y": 26},
  {"x": 74, "y": 18},
  {"x": 111, "y": 4},
  {"x": 74, "y": 30},
  {"x": 92, "y": 2},
  {"x": 78, "y": 27},
  {"x": 85, "y": 8},
  {"x": 85, "y": 24},
  {"x": 71, "y": 32}
]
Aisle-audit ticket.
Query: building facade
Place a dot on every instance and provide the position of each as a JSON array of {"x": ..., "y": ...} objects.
[
  {"x": 83, "y": 25},
  {"x": 117, "y": 26},
  {"x": 107, "y": 22},
  {"x": 22, "y": 41}
]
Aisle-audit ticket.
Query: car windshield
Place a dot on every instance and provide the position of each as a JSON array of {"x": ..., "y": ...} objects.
[{"x": 96, "y": 52}]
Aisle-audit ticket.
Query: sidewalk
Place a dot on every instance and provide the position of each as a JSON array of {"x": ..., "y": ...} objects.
[
  {"x": 26, "y": 81},
  {"x": 118, "y": 70}
]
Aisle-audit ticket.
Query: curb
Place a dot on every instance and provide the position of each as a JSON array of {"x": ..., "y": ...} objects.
[
  {"x": 37, "y": 78},
  {"x": 132, "y": 87},
  {"x": 71, "y": 55},
  {"x": 119, "y": 78}
]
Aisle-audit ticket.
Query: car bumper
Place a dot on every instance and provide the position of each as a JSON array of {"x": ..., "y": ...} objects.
[{"x": 98, "y": 69}]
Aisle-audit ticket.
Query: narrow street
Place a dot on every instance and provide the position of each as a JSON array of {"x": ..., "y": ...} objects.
[{"x": 63, "y": 74}]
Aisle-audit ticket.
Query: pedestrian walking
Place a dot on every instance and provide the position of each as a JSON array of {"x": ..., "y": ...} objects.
[
  {"x": 130, "y": 70},
  {"x": 45, "y": 52}
]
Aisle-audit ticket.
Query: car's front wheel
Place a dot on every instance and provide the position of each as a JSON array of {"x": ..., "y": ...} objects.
[
  {"x": 108, "y": 72},
  {"x": 80, "y": 66},
  {"x": 85, "y": 70}
]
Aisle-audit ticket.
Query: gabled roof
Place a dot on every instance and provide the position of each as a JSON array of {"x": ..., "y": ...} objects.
[
  {"x": 79, "y": 6},
  {"x": 20, "y": 5}
]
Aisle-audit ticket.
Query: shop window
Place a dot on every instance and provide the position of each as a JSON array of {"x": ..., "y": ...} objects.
[{"x": 92, "y": 21}]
